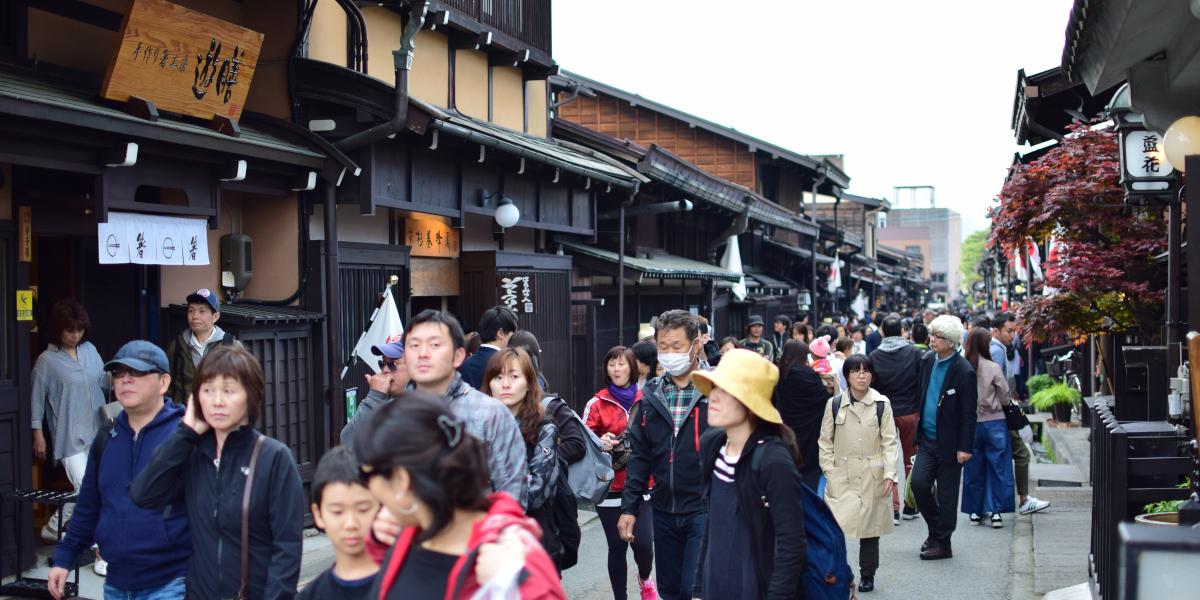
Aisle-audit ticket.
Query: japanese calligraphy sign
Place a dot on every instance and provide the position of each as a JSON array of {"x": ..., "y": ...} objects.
[
  {"x": 182, "y": 60},
  {"x": 516, "y": 292},
  {"x": 1144, "y": 155},
  {"x": 152, "y": 240},
  {"x": 430, "y": 238}
]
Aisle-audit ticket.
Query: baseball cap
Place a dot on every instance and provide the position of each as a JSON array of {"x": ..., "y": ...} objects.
[
  {"x": 755, "y": 320},
  {"x": 203, "y": 295},
  {"x": 391, "y": 350},
  {"x": 140, "y": 355}
]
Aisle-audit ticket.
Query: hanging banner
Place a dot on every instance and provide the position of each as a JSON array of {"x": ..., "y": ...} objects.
[
  {"x": 732, "y": 261},
  {"x": 152, "y": 240}
]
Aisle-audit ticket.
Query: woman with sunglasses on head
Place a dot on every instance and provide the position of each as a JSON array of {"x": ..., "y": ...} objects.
[
  {"x": 420, "y": 463},
  {"x": 510, "y": 377},
  {"x": 754, "y": 540},
  {"x": 208, "y": 463},
  {"x": 859, "y": 452}
]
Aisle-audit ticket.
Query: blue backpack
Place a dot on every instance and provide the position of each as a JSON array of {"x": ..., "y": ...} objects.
[{"x": 828, "y": 575}]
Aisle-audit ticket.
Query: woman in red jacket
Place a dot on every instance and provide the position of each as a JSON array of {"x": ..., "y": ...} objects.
[
  {"x": 607, "y": 414},
  {"x": 421, "y": 464}
]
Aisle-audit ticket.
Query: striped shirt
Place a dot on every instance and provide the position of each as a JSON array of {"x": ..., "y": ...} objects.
[
  {"x": 68, "y": 394},
  {"x": 679, "y": 399},
  {"x": 726, "y": 466}
]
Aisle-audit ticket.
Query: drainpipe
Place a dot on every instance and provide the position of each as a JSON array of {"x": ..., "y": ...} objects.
[
  {"x": 816, "y": 311},
  {"x": 677, "y": 206},
  {"x": 333, "y": 317},
  {"x": 621, "y": 260},
  {"x": 402, "y": 60}
]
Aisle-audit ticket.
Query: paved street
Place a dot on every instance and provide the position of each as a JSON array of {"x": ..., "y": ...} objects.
[{"x": 982, "y": 567}]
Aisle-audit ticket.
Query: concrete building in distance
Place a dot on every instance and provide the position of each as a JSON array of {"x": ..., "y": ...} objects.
[{"x": 915, "y": 220}]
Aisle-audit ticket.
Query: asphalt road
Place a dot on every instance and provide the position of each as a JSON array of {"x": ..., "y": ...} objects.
[{"x": 981, "y": 568}]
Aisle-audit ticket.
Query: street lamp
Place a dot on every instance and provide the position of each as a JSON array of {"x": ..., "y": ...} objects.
[
  {"x": 507, "y": 213},
  {"x": 1182, "y": 138},
  {"x": 1146, "y": 174}
]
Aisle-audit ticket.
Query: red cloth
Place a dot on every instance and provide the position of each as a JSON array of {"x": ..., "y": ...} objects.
[
  {"x": 603, "y": 414},
  {"x": 542, "y": 580}
]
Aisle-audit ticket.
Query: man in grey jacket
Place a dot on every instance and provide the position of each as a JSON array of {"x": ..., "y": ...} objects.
[
  {"x": 433, "y": 350},
  {"x": 391, "y": 381}
]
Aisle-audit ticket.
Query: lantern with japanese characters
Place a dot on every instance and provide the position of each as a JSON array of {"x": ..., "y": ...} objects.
[{"x": 1146, "y": 174}]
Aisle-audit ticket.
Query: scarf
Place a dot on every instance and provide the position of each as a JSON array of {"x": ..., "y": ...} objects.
[{"x": 624, "y": 396}]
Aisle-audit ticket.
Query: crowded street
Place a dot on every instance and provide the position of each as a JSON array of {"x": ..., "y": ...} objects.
[{"x": 557, "y": 299}]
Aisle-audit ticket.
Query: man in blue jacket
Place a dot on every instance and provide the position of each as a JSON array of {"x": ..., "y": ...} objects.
[
  {"x": 147, "y": 550},
  {"x": 495, "y": 327}
]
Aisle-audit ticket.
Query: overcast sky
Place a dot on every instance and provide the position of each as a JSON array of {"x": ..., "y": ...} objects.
[{"x": 913, "y": 93}]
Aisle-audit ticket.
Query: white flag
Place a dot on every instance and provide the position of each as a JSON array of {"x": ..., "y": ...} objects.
[
  {"x": 732, "y": 261},
  {"x": 385, "y": 328},
  {"x": 835, "y": 274}
]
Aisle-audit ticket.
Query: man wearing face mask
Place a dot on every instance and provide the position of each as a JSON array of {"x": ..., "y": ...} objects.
[{"x": 665, "y": 437}]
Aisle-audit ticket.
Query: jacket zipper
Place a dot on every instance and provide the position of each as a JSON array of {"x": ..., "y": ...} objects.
[{"x": 217, "y": 518}]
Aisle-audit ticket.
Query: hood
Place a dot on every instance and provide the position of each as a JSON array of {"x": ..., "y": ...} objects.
[
  {"x": 894, "y": 343},
  {"x": 167, "y": 414},
  {"x": 503, "y": 513},
  {"x": 870, "y": 398}
]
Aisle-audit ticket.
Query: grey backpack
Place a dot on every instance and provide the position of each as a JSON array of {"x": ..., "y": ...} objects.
[{"x": 591, "y": 476}]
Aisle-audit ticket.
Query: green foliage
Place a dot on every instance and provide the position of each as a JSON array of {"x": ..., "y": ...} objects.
[
  {"x": 972, "y": 254},
  {"x": 1038, "y": 383},
  {"x": 1167, "y": 506},
  {"x": 1059, "y": 393}
]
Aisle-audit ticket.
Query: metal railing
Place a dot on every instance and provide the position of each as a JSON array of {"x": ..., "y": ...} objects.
[
  {"x": 527, "y": 21},
  {"x": 1133, "y": 464}
]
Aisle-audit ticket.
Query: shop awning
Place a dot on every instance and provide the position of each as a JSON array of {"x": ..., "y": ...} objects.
[
  {"x": 800, "y": 252},
  {"x": 662, "y": 266},
  {"x": 767, "y": 281}
]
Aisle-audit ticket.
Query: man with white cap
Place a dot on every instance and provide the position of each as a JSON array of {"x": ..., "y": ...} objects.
[
  {"x": 388, "y": 383},
  {"x": 947, "y": 399}
]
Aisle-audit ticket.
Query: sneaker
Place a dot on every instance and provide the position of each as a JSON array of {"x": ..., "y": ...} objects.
[
  {"x": 647, "y": 589},
  {"x": 100, "y": 567},
  {"x": 895, "y": 517},
  {"x": 909, "y": 514},
  {"x": 1033, "y": 505},
  {"x": 997, "y": 522},
  {"x": 975, "y": 519},
  {"x": 49, "y": 534}
]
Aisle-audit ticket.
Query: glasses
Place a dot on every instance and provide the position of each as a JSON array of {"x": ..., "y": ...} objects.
[
  {"x": 121, "y": 372},
  {"x": 934, "y": 336},
  {"x": 385, "y": 365}
]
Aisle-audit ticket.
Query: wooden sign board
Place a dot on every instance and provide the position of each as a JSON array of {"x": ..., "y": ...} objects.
[
  {"x": 25, "y": 222},
  {"x": 431, "y": 238},
  {"x": 516, "y": 292},
  {"x": 182, "y": 60}
]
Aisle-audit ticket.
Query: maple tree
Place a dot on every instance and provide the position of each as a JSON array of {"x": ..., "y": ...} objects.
[{"x": 1102, "y": 275}]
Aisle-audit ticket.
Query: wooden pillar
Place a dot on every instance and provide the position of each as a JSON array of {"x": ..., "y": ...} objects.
[{"x": 333, "y": 317}]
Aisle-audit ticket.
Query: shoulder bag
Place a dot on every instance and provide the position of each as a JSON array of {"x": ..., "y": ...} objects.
[
  {"x": 1015, "y": 416},
  {"x": 246, "y": 517}
]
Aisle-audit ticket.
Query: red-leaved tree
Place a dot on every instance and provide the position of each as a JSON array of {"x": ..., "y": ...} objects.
[{"x": 1103, "y": 273}]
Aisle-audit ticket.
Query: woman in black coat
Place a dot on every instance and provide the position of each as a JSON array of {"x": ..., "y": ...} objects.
[{"x": 801, "y": 398}]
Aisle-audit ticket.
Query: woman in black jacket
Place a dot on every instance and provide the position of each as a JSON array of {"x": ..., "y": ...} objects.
[
  {"x": 755, "y": 525},
  {"x": 801, "y": 398},
  {"x": 206, "y": 463}
]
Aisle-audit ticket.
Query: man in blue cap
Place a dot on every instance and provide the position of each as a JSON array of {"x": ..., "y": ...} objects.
[
  {"x": 147, "y": 550},
  {"x": 388, "y": 383},
  {"x": 186, "y": 351}
]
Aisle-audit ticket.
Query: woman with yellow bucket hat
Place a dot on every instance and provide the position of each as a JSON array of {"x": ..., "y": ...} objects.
[{"x": 754, "y": 540}]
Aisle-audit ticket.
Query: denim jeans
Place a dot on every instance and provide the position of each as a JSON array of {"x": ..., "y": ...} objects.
[
  {"x": 174, "y": 590},
  {"x": 677, "y": 539},
  {"x": 987, "y": 480}
]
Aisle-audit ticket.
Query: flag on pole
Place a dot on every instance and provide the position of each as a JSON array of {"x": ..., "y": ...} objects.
[
  {"x": 385, "y": 328},
  {"x": 732, "y": 261},
  {"x": 835, "y": 273}
]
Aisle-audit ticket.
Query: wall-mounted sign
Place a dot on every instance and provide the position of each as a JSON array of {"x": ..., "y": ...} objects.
[
  {"x": 351, "y": 403},
  {"x": 152, "y": 240},
  {"x": 431, "y": 238},
  {"x": 182, "y": 60},
  {"x": 516, "y": 292},
  {"x": 24, "y": 305},
  {"x": 25, "y": 249}
]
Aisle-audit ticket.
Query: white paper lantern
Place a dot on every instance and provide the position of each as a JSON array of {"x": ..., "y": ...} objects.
[{"x": 1182, "y": 139}]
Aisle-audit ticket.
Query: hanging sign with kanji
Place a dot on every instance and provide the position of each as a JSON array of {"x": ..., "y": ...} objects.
[
  {"x": 516, "y": 292},
  {"x": 430, "y": 238},
  {"x": 182, "y": 60}
]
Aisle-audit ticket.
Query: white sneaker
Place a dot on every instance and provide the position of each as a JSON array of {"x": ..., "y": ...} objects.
[
  {"x": 1033, "y": 505},
  {"x": 100, "y": 567},
  {"x": 49, "y": 534}
]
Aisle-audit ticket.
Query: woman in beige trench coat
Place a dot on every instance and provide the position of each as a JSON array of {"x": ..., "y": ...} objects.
[{"x": 858, "y": 454}]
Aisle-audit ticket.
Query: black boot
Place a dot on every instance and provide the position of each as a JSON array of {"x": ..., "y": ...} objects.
[{"x": 867, "y": 584}]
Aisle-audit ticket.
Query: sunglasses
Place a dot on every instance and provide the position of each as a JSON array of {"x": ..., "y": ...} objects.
[
  {"x": 121, "y": 372},
  {"x": 385, "y": 365}
]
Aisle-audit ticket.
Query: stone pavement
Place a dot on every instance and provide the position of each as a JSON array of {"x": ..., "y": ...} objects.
[{"x": 1062, "y": 533}]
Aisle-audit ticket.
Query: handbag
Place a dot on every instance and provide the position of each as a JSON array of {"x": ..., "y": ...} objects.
[
  {"x": 591, "y": 476},
  {"x": 1015, "y": 416},
  {"x": 246, "y": 517},
  {"x": 622, "y": 450}
]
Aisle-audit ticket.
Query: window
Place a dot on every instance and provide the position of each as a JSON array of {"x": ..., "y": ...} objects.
[
  {"x": 913, "y": 249},
  {"x": 938, "y": 277}
]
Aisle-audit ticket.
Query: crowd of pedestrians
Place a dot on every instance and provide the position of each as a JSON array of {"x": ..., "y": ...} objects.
[{"x": 456, "y": 475}]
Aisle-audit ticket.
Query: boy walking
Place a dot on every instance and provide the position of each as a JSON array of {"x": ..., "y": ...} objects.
[
  {"x": 344, "y": 510},
  {"x": 194, "y": 342},
  {"x": 147, "y": 550}
]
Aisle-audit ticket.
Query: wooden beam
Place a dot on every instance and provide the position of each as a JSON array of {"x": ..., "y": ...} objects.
[
  {"x": 460, "y": 41},
  {"x": 80, "y": 11}
]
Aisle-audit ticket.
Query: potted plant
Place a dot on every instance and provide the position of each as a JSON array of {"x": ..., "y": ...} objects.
[
  {"x": 1038, "y": 383},
  {"x": 1162, "y": 513},
  {"x": 1059, "y": 399}
]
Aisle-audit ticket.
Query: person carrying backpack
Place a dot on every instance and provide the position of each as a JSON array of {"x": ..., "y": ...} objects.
[
  {"x": 754, "y": 539},
  {"x": 859, "y": 451}
]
